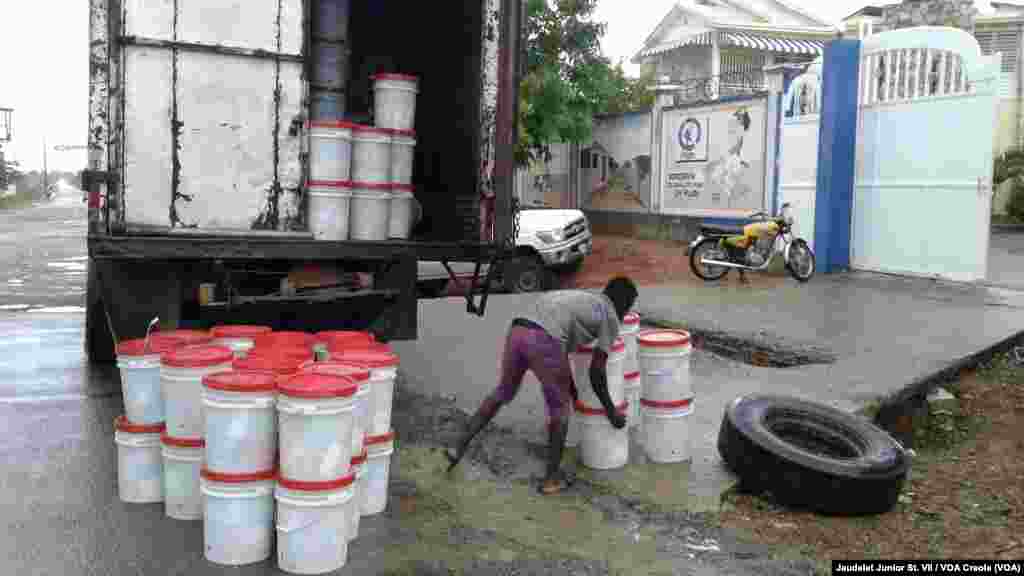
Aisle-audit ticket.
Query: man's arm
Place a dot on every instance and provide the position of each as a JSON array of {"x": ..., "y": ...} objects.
[{"x": 599, "y": 381}]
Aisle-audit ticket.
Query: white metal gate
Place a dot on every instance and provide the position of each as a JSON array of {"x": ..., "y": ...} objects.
[
  {"x": 922, "y": 195},
  {"x": 798, "y": 161}
]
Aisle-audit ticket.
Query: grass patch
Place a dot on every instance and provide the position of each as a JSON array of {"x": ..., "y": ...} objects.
[{"x": 15, "y": 202}]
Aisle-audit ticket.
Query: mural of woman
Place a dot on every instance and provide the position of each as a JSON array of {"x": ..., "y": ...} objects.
[{"x": 727, "y": 171}]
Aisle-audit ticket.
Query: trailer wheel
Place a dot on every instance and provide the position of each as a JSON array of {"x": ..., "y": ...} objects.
[
  {"x": 99, "y": 340},
  {"x": 812, "y": 456}
]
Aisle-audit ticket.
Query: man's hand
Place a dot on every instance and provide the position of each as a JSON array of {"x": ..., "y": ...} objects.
[{"x": 617, "y": 419}]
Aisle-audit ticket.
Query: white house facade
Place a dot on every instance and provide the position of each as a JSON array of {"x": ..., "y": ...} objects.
[{"x": 715, "y": 48}]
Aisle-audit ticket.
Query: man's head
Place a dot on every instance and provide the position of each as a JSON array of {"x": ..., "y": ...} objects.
[{"x": 622, "y": 292}]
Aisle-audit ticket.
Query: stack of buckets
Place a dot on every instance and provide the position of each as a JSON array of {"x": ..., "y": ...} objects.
[
  {"x": 360, "y": 184},
  {"x": 667, "y": 394},
  {"x": 648, "y": 380},
  {"x": 245, "y": 417}
]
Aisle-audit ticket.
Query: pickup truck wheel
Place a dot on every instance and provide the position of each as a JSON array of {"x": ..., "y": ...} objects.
[{"x": 526, "y": 274}]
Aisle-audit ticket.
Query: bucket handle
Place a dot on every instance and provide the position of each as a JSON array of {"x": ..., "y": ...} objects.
[
  {"x": 310, "y": 410},
  {"x": 149, "y": 329},
  {"x": 136, "y": 442}
]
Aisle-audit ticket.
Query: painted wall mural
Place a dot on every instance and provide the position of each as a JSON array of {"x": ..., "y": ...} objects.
[{"x": 714, "y": 157}]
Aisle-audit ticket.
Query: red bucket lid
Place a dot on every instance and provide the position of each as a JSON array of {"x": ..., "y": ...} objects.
[
  {"x": 337, "y": 368},
  {"x": 329, "y": 184},
  {"x": 631, "y": 318},
  {"x": 664, "y": 338},
  {"x": 181, "y": 442},
  {"x": 285, "y": 353},
  {"x": 312, "y": 385},
  {"x": 403, "y": 133},
  {"x": 137, "y": 347},
  {"x": 285, "y": 338},
  {"x": 122, "y": 424},
  {"x": 300, "y": 486},
  {"x": 371, "y": 358},
  {"x": 361, "y": 459},
  {"x": 618, "y": 346},
  {"x": 347, "y": 347},
  {"x": 239, "y": 331},
  {"x": 238, "y": 478},
  {"x": 371, "y": 129},
  {"x": 331, "y": 336},
  {"x": 182, "y": 337},
  {"x": 330, "y": 124},
  {"x": 267, "y": 364},
  {"x": 197, "y": 357},
  {"x": 403, "y": 187},
  {"x": 584, "y": 409},
  {"x": 667, "y": 405},
  {"x": 372, "y": 186},
  {"x": 381, "y": 439},
  {"x": 241, "y": 381},
  {"x": 395, "y": 76},
  {"x": 631, "y": 375}
]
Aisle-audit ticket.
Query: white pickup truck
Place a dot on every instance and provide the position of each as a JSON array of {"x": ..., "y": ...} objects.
[{"x": 548, "y": 239}]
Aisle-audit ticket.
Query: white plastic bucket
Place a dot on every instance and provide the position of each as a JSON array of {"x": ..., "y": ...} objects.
[
  {"x": 358, "y": 466},
  {"x": 181, "y": 382},
  {"x": 240, "y": 422},
  {"x": 330, "y": 151},
  {"x": 628, "y": 332},
  {"x": 383, "y": 366},
  {"x": 139, "y": 463},
  {"x": 666, "y": 430},
  {"x": 140, "y": 382},
  {"x": 394, "y": 101},
  {"x": 580, "y": 360},
  {"x": 183, "y": 460},
  {"x": 238, "y": 517},
  {"x": 316, "y": 414},
  {"x": 403, "y": 147},
  {"x": 360, "y": 375},
  {"x": 329, "y": 204},
  {"x": 371, "y": 154},
  {"x": 373, "y": 488},
  {"x": 665, "y": 365},
  {"x": 633, "y": 395},
  {"x": 401, "y": 217},
  {"x": 370, "y": 212},
  {"x": 602, "y": 446},
  {"x": 312, "y": 525}
]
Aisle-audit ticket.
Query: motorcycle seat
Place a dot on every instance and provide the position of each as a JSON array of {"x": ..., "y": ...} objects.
[{"x": 719, "y": 231}]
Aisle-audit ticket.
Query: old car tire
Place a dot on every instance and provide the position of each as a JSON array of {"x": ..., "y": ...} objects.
[
  {"x": 812, "y": 456},
  {"x": 525, "y": 274}
]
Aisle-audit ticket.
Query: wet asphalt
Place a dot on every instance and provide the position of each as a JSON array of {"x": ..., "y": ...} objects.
[{"x": 59, "y": 489}]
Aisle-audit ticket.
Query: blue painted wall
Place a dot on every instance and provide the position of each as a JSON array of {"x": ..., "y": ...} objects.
[{"x": 837, "y": 148}]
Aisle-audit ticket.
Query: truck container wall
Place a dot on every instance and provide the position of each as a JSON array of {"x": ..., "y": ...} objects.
[{"x": 199, "y": 107}]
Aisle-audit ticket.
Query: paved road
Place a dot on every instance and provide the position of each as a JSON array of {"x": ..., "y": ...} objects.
[
  {"x": 1006, "y": 259},
  {"x": 62, "y": 514}
]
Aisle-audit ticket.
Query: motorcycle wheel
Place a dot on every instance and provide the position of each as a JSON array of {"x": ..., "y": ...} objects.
[
  {"x": 708, "y": 248},
  {"x": 801, "y": 261}
]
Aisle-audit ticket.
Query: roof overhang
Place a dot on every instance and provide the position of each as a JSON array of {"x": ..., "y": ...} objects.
[{"x": 808, "y": 42}]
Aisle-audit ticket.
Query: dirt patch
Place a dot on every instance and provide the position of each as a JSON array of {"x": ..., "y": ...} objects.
[
  {"x": 647, "y": 262},
  {"x": 964, "y": 497}
]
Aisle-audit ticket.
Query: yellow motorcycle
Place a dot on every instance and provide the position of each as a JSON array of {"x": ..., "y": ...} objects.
[{"x": 716, "y": 251}]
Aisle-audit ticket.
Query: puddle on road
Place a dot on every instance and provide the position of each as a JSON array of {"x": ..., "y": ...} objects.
[
  {"x": 472, "y": 515},
  {"x": 763, "y": 354}
]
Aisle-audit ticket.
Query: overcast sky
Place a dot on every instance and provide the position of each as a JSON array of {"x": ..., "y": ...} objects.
[{"x": 44, "y": 65}]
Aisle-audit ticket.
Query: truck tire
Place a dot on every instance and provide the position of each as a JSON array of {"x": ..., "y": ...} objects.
[
  {"x": 99, "y": 341},
  {"x": 526, "y": 273},
  {"x": 812, "y": 456}
]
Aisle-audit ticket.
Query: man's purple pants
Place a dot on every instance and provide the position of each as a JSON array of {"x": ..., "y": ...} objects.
[{"x": 535, "y": 350}]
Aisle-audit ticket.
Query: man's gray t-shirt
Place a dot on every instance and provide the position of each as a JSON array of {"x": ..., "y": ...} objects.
[{"x": 577, "y": 318}]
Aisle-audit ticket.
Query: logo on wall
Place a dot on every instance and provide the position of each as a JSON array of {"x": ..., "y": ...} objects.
[{"x": 692, "y": 140}]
